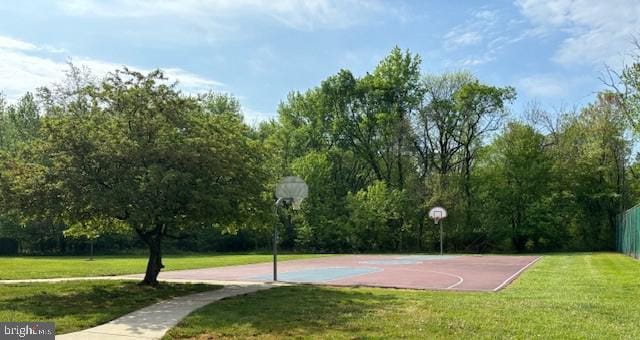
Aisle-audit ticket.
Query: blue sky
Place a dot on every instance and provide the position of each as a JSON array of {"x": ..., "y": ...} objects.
[{"x": 551, "y": 51}]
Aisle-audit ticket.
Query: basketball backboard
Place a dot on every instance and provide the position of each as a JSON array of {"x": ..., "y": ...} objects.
[
  {"x": 437, "y": 214},
  {"x": 292, "y": 189}
]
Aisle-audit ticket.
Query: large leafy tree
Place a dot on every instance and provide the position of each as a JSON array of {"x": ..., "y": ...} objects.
[
  {"x": 626, "y": 85},
  {"x": 19, "y": 124},
  {"x": 371, "y": 210},
  {"x": 142, "y": 156},
  {"x": 590, "y": 169},
  {"x": 457, "y": 114},
  {"x": 515, "y": 175}
]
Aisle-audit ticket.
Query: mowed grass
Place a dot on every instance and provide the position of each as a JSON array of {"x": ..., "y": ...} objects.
[
  {"x": 77, "y": 305},
  {"x": 584, "y": 296},
  {"x": 76, "y": 266}
]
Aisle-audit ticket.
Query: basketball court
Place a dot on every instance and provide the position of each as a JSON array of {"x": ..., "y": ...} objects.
[
  {"x": 442, "y": 272},
  {"x": 436, "y": 272}
]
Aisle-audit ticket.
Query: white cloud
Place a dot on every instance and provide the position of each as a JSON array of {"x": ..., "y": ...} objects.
[
  {"x": 480, "y": 24},
  {"x": 486, "y": 15},
  {"x": 187, "y": 81},
  {"x": 9, "y": 43},
  {"x": 543, "y": 85},
  {"x": 22, "y": 72},
  {"x": 24, "y": 68},
  {"x": 598, "y": 31},
  {"x": 486, "y": 58},
  {"x": 15, "y": 44},
  {"x": 191, "y": 82},
  {"x": 459, "y": 39},
  {"x": 482, "y": 36},
  {"x": 297, "y": 14}
]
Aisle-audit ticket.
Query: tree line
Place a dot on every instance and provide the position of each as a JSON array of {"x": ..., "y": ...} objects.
[
  {"x": 130, "y": 161},
  {"x": 381, "y": 149}
]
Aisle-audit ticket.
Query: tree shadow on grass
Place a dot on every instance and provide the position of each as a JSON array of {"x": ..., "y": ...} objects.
[
  {"x": 286, "y": 312},
  {"x": 79, "y": 305}
]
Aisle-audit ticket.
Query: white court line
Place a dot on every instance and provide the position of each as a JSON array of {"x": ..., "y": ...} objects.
[
  {"x": 460, "y": 279},
  {"x": 516, "y": 274}
]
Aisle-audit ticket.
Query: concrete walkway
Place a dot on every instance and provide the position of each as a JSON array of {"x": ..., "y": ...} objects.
[{"x": 154, "y": 321}]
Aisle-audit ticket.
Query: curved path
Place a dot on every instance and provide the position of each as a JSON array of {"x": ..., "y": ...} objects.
[{"x": 154, "y": 321}]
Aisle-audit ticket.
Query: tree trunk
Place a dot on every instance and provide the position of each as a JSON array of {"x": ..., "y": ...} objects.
[
  {"x": 514, "y": 236},
  {"x": 154, "y": 265},
  {"x": 91, "y": 251},
  {"x": 399, "y": 156},
  {"x": 420, "y": 228}
]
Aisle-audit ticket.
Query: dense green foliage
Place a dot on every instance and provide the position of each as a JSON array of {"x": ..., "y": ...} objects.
[
  {"x": 581, "y": 296},
  {"x": 133, "y": 154},
  {"x": 129, "y": 161},
  {"x": 380, "y": 150},
  {"x": 78, "y": 305}
]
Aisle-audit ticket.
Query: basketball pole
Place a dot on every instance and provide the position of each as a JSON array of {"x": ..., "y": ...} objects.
[
  {"x": 275, "y": 252},
  {"x": 292, "y": 190},
  {"x": 438, "y": 214},
  {"x": 275, "y": 241},
  {"x": 441, "y": 252}
]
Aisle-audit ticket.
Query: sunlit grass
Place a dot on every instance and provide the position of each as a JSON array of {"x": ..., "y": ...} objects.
[
  {"x": 582, "y": 296},
  {"x": 76, "y": 266}
]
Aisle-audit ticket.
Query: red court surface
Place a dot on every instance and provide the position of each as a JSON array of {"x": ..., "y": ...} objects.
[{"x": 448, "y": 272}]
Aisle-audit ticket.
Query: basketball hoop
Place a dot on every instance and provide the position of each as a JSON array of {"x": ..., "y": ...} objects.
[
  {"x": 296, "y": 204},
  {"x": 437, "y": 214},
  {"x": 293, "y": 190}
]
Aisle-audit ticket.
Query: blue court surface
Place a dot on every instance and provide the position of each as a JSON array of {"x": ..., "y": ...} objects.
[
  {"x": 320, "y": 274},
  {"x": 428, "y": 257},
  {"x": 393, "y": 262}
]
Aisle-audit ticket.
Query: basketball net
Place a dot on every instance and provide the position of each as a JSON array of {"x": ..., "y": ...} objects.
[{"x": 296, "y": 203}]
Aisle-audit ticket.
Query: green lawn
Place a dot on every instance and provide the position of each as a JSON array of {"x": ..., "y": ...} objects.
[
  {"x": 582, "y": 296},
  {"x": 79, "y": 305},
  {"x": 70, "y": 266}
]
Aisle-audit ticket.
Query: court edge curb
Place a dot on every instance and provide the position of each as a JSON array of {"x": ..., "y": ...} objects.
[{"x": 516, "y": 274}]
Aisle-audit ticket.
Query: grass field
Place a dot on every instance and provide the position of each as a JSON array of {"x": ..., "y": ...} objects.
[
  {"x": 582, "y": 296},
  {"x": 75, "y": 266},
  {"x": 81, "y": 304}
]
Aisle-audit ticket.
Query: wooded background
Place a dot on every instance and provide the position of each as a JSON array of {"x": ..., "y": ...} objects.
[{"x": 128, "y": 160}]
